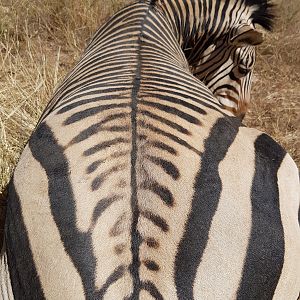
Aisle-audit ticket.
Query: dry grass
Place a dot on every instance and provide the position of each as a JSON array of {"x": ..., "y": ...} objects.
[
  {"x": 39, "y": 42},
  {"x": 41, "y": 39},
  {"x": 276, "y": 90}
]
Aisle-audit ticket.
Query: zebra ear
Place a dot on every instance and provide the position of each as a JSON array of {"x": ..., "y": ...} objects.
[{"x": 247, "y": 36}]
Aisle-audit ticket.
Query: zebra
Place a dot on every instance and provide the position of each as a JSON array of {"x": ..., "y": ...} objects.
[
  {"x": 230, "y": 81},
  {"x": 225, "y": 64},
  {"x": 138, "y": 184}
]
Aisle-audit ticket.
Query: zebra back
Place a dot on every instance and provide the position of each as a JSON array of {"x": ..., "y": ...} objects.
[{"x": 138, "y": 184}]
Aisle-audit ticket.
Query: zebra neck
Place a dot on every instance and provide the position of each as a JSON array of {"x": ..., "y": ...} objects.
[
  {"x": 197, "y": 24},
  {"x": 184, "y": 19}
]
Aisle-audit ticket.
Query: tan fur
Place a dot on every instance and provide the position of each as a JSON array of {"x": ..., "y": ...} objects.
[
  {"x": 112, "y": 239},
  {"x": 58, "y": 276},
  {"x": 289, "y": 194},
  {"x": 6, "y": 292},
  {"x": 219, "y": 273}
]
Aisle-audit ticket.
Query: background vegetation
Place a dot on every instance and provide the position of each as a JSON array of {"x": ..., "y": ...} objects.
[{"x": 40, "y": 40}]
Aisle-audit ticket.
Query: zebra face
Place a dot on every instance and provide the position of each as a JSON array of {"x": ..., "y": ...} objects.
[{"x": 226, "y": 67}]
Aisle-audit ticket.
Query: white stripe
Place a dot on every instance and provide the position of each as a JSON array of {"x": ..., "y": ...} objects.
[
  {"x": 5, "y": 283},
  {"x": 58, "y": 276},
  {"x": 289, "y": 195},
  {"x": 220, "y": 270}
]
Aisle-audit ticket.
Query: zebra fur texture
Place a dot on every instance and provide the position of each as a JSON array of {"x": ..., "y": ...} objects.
[{"x": 141, "y": 182}]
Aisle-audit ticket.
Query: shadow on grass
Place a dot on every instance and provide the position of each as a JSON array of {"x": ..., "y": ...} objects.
[{"x": 3, "y": 197}]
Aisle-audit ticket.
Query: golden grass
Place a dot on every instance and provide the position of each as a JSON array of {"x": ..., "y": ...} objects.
[
  {"x": 40, "y": 40},
  {"x": 275, "y": 104}
]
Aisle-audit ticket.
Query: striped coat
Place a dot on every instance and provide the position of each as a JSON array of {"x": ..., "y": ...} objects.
[{"x": 137, "y": 184}]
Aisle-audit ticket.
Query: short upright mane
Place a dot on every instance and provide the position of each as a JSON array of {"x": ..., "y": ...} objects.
[{"x": 263, "y": 14}]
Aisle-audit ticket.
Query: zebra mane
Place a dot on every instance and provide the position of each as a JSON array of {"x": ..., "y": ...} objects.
[
  {"x": 153, "y": 2},
  {"x": 263, "y": 15}
]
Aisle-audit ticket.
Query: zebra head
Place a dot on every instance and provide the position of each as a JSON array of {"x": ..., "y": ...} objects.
[
  {"x": 225, "y": 61},
  {"x": 226, "y": 67}
]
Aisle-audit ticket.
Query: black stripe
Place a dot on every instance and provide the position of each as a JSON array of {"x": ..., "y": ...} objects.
[
  {"x": 98, "y": 57},
  {"x": 97, "y": 90},
  {"x": 116, "y": 275},
  {"x": 100, "y": 208},
  {"x": 185, "y": 81},
  {"x": 171, "y": 110},
  {"x": 265, "y": 253},
  {"x": 104, "y": 145},
  {"x": 207, "y": 192},
  {"x": 135, "y": 236},
  {"x": 50, "y": 155},
  {"x": 96, "y": 128},
  {"x": 215, "y": 72},
  {"x": 103, "y": 72},
  {"x": 99, "y": 180},
  {"x": 94, "y": 165},
  {"x": 136, "y": 239},
  {"x": 228, "y": 87},
  {"x": 152, "y": 289},
  {"x": 161, "y": 191},
  {"x": 152, "y": 243},
  {"x": 169, "y": 135},
  {"x": 152, "y": 36},
  {"x": 151, "y": 265},
  {"x": 76, "y": 117},
  {"x": 83, "y": 102},
  {"x": 117, "y": 228},
  {"x": 156, "y": 220},
  {"x": 116, "y": 128},
  {"x": 25, "y": 280},
  {"x": 125, "y": 13},
  {"x": 169, "y": 82},
  {"x": 163, "y": 146},
  {"x": 161, "y": 25},
  {"x": 167, "y": 166},
  {"x": 165, "y": 121},
  {"x": 173, "y": 98}
]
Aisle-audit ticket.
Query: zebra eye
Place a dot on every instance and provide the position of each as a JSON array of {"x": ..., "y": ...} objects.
[{"x": 243, "y": 71}]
